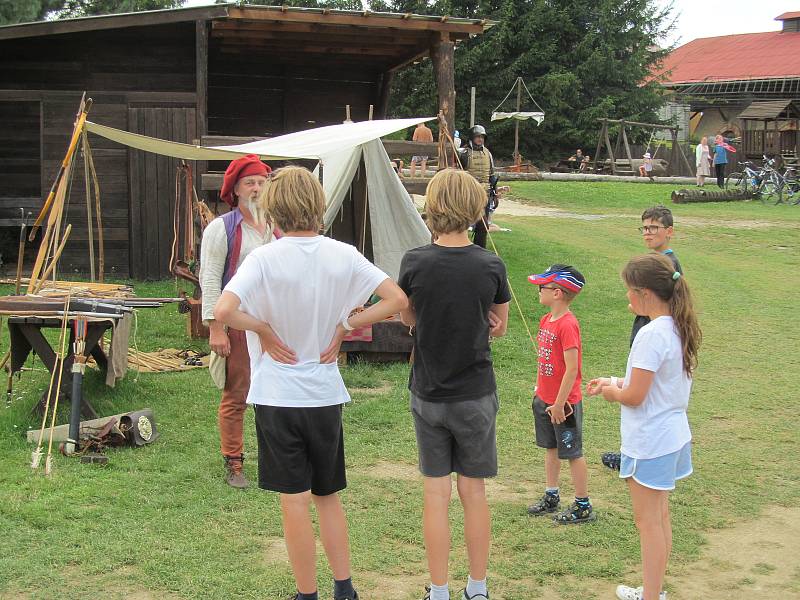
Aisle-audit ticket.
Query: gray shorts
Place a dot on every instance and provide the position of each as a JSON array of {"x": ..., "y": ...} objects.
[
  {"x": 456, "y": 436},
  {"x": 419, "y": 159},
  {"x": 567, "y": 437}
]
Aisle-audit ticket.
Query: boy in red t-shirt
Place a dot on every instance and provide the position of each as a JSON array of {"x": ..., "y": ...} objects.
[{"x": 557, "y": 408}]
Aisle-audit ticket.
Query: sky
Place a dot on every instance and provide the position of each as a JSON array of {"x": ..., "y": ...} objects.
[{"x": 706, "y": 18}]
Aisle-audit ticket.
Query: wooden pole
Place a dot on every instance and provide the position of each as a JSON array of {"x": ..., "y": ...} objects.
[
  {"x": 627, "y": 146},
  {"x": 442, "y": 57},
  {"x": 517, "y": 159},
  {"x": 73, "y": 142},
  {"x": 599, "y": 144},
  {"x": 89, "y": 224},
  {"x": 472, "y": 106},
  {"x": 610, "y": 151},
  {"x": 101, "y": 253},
  {"x": 20, "y": 253},
  {"x": 370, "y": 112}
]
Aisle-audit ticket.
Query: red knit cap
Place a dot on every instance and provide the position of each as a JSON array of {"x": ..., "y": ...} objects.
[{"x": 239, "y": 168}]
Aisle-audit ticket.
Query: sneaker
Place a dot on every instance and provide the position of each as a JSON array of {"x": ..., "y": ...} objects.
[
  {"x": 625, "y": 592},
  {"x": 353, "y": 597},
  {"x": 548, "y": 503},
  {"x": 611, "y": 460},
  {"x": 427, "y": 595},
  {"x": 465, "y": 596},
  {"x": 575, "y": 514},
  {"x": 233, "y": 472}
]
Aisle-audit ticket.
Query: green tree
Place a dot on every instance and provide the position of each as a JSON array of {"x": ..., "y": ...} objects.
[
  {"x": 84, "y": 8},
  {"x": 581, "y": 60},
  {"x": 23, "y": 11}
]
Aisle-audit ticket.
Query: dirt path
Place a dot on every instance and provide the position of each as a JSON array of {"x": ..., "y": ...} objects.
[{"x": 512, "y": 208}]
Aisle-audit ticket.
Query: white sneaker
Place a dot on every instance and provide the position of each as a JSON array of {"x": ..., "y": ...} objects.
[{"x": 625, "y": 592}]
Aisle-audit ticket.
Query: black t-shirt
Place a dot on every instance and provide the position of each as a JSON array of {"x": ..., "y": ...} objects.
[
  {"x": 640, "y": 321},
  {"x": 452, "y": 290}
]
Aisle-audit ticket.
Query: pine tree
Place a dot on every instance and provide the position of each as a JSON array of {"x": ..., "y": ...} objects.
[{"x": 581, "y": 60}]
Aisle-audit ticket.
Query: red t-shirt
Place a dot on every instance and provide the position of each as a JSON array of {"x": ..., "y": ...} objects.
[{"x": 553, "y": 339}]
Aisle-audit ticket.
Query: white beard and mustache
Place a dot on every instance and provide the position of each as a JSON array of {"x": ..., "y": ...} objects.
[{"x": 254, "y": 206}]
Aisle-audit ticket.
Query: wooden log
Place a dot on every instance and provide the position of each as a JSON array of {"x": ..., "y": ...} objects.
[
  {"x": 443, "y": 71},
  {"x": 687, "y": 196}
]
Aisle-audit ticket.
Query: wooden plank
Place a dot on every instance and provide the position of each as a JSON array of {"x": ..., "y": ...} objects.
[
  {"x": 201, "y": 70},
  {"x": 149, "y": 185},
  {"x": 165, "y": 186},
  {"x": 239, "y": 27},
  {"x": 142, "y": 19},
  {"x": 135, "y": 181},
  {"x": 365, "y": 20},
  {"x": 402, "y": 147}
]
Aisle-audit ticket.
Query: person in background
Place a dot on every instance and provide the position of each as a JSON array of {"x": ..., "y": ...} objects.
[
  {"x": 702, "y": 159},
  {"x": 721, "y": 149}
]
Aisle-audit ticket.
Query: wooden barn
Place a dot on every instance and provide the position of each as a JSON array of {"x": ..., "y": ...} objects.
[{"x": 187, "y": 74}]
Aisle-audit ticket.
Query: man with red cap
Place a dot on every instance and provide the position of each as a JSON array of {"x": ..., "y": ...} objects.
[{"x": 227, "y": 240}]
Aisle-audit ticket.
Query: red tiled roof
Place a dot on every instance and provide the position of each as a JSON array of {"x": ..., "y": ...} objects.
[
  {"x": 773, "y": 54},
  {"x": 788, "y": 15}
]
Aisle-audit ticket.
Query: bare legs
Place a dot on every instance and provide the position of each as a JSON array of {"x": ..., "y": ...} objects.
[
  {"x": 300, "y": 542},
  {"x": 436, "y": 525},
  {"x": 578, "y": 471},
  {"x": 651, "y": 514}
]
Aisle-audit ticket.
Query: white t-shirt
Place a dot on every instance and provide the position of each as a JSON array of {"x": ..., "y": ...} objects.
[
  {"x": 659, "y": 425},
  {"x": 303, "y": 287}
]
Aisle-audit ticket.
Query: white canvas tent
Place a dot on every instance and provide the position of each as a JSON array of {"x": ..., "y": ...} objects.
[{"x": 396, "y": 226}]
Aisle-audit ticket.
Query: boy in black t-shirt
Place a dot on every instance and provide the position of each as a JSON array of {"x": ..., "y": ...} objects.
[{"x": 459, "y": 297}]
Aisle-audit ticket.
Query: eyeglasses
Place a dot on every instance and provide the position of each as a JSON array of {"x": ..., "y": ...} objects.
[{"x": 650, "y": 228}]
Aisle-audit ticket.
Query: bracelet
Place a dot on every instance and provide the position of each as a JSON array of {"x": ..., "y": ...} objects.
[
  {"x": 614, "y": 381},
  {"x": 346, "y": 324}
]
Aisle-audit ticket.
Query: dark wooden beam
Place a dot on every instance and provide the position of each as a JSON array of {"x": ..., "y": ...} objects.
[
  {"x": 278, "y": 49},
  {"x": 189, "y": 98},
  {"x": 365, "y": 20},
  {"x": 141, "y": 19},
  {"x": 222, "y": 29},
  {"x": 383, "y": 94},
  {"x": 402, "y": 147},
  {"x": 201, "y": 71},
  {"x": 443, "y": 72}
]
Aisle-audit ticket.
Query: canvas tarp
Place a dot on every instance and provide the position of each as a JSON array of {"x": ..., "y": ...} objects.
[
  {"x": 396, "y": 224},
  {"x": 519, "y": 116}
]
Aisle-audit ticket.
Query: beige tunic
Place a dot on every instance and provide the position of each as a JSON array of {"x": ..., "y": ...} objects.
[{"x": 214, "y": 253}]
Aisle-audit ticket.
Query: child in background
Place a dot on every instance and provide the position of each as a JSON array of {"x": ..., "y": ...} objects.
[
  {"x": 656, "y": 440},
  {"x": 656, "y": 230},
  {"x": 646, "y": 168},
  {"x": 557, "y": 407}
]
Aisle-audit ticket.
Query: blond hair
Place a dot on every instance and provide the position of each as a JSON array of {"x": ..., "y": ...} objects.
[
  {"x": 454, "y": 200},
  {"x": 294, "y": 200},
  {"x": 655, "y": 272}
]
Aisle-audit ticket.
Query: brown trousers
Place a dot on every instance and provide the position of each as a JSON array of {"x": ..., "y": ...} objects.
[{"x": 232, "y": 406}]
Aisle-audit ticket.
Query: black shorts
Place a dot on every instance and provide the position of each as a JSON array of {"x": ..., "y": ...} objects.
[
  {"x": 300, "y": 449},
  {"x": 567, "y": 437}
]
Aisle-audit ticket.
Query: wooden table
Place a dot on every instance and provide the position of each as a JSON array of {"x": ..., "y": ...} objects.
[{"x": 27, "y": 335}]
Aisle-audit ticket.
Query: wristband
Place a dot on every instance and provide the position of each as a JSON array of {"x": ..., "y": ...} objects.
[
  {"x": 614, "y": 381},
  {"x": 346, "y": 324}
]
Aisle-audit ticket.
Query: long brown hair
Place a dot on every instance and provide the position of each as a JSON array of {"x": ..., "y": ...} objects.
[{"x": 655, "y": 272}]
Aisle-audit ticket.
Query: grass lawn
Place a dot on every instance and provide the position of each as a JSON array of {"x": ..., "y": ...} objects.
[{"x": 158, "y": 522}]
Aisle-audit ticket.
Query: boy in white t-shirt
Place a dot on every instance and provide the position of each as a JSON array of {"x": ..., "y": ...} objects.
[
  {"x": 656, "y": 440},
  {"x": 294, "y": 298}
]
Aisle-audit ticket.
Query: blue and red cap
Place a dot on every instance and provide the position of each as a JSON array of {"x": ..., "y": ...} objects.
[{"x": 565, "y": 276}]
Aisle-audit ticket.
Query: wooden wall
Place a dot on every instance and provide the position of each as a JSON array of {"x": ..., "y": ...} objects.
[
  {"x": 128, "y": 72},
  {"x": 120, "y": 70},
  {"x": 251, "y": 94}
]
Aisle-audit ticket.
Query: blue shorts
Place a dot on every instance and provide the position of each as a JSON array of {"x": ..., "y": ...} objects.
[{"x": 658, "y": 473}]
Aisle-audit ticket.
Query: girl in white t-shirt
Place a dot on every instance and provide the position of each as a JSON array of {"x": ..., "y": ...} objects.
[{"x": 654, "y": 396}]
